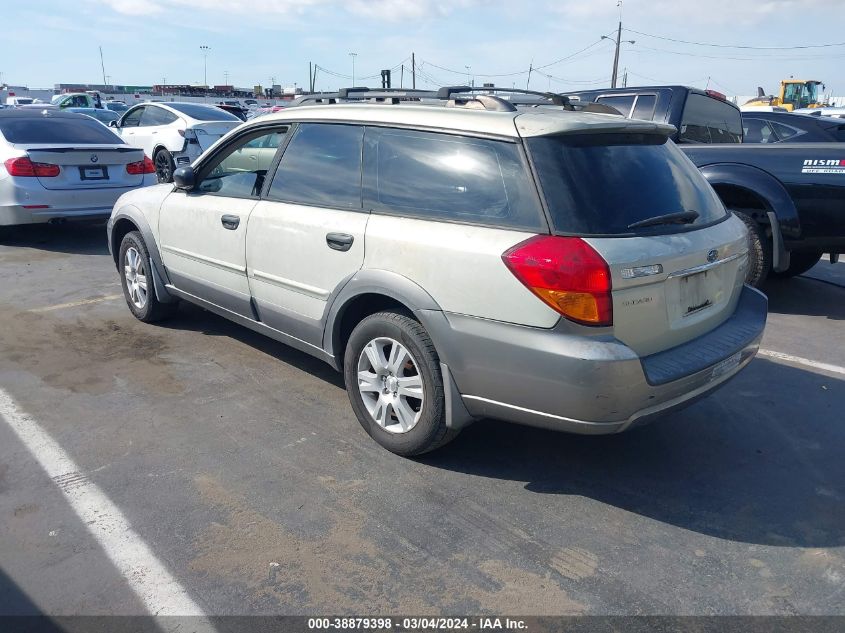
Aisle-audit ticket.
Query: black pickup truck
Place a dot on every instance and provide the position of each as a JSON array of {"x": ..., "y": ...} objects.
[{"x": 791, "y": 195}]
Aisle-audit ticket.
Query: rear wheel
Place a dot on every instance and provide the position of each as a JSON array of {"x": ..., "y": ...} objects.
[
  {"x": 799, "y": 262},
  {"x": 136, "y": 279},
  {"x": 759, "y": 251},
  {"x": 393, "y": 378},
  {"x": 163, "y": 161}
]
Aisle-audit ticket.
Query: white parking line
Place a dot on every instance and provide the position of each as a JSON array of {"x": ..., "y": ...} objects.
[
  {"x": 789, "y": 358},
  {"x": 73, "y": 304},
  {"x": 145, "y": 574}
]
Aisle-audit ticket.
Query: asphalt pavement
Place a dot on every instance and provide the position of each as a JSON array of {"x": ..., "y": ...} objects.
[{"x": 237, "y": 467}]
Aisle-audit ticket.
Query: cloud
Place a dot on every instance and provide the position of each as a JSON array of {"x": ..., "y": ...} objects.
[{"x": 131, "y": 7}]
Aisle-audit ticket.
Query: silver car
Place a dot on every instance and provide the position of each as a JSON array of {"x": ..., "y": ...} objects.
[{"x": 60, "y": 165}]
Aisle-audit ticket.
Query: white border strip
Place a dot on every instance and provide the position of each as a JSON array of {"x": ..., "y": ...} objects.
[
  {"x": 145, "y": 574},
  {"x": 806, "y": 362}
]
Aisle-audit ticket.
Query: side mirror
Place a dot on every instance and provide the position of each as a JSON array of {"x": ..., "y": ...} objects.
[
  {"x": 113, "y": 123},
  {"x": 184, "y": 178}
]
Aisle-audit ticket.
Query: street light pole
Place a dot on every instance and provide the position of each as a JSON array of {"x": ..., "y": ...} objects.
[
  {"x": 353, "y": 56},
  {"x": 468, "y": 69},
  {"x": 618, "y": 43},
  {"x": 205, "y": 50}
]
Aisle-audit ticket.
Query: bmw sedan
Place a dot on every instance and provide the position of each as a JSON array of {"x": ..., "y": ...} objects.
[{"x": 57, "y": 165}]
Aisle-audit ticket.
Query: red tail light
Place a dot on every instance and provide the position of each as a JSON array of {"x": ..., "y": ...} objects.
[
  {"x": 145, "y": 166},
  {"x": 23, "y": 167},
  {"x": 566, "y": 273}
]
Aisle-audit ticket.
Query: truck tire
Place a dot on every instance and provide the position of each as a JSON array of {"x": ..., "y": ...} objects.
[
  {"x": 759, "y": 251},
  {"x": 799, "y": 262}
]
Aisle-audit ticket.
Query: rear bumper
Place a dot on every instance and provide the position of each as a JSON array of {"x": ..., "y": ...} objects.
[
  {"x": 588, "y": 385},
  {"x": 67, "y": 204}
]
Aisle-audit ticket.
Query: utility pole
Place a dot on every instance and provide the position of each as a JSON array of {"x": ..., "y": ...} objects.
[
  {"x": 625, "y": 78},
  {"x": 413, "y": 73},
  {"x": 530, "y": 68},
  {"x": 353, "y": 56},
  {"x": 310, "y": 79},
  {"x": 103, "y": 66},
  {"x": 226, "y": 77},
  {"x": 618, "y": 42},
  {"x": 402, "y": 77}
]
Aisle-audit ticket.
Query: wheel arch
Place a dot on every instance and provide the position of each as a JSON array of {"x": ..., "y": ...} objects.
[
  {"x": 130, "y": 218},
  {"x": 365, "y": 293}
]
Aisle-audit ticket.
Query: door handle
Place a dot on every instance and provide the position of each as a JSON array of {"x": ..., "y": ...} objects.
[
  {"x": 339, "y": 241},
  {"x": 230, "y": 222}
]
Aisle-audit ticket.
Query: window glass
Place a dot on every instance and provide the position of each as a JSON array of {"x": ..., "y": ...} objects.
[
  {"x": 157, "y": 116},
  {"x": 622, "y": 103},
  {"x": 75, "y": 128},
  {"x": 133, "y": 117},
  {"x": 709, "y": 120},
  {"x": 238, "y": 171},
  {"x": 202, "y": 112},
  {"x": 443, "y": 176},
  {"x": 644, "y": 107},
  {"x": 757, "y": 131},
  {"x": 600, "y": 184},
  {"x": 786, "y": 132},
  {"x": 321, "y": 166}
]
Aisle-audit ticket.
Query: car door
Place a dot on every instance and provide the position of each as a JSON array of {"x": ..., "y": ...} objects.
[
  {"x": 307, "y": 236},
  {"x": 153, "y": 127},
  {"x": 128, "y": 124},
  {"x": 202, "y": 232}
]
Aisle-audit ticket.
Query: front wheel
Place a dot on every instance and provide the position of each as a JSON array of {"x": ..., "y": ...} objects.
[
  {"x": 137, "y": 280},
  {"x": 393, "y": 378}
]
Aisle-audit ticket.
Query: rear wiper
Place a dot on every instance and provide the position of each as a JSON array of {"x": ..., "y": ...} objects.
[{"x": 681, "y": 217}]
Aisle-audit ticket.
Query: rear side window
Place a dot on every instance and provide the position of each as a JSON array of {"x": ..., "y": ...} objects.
[
  {"x": 157, "y": 116},
  {"x": 447, "y": 177},
  {"x": 76, "y": 128},
  {"x": 321, "y": 166},
  {"x": 709, "y": 120},
  {"x": 623, "y": 103},
  {"x": 600, "y": 184},
  {"x": 644, "y": 107},
  {"x": 203, "y": 112}
]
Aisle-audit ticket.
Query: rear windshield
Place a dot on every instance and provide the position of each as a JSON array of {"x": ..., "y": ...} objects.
[
  {"x": 66, "y": 129},
  {"x": 202, "y": 112},
  {"x": 600, "y": 184},
  {"x": 709, "y": 120}
]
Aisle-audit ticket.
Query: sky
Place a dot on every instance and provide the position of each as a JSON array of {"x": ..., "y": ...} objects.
[{"x": 145, "y": 42}]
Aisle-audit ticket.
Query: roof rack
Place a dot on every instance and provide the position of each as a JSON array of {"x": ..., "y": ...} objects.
[{"x": 478, "y": 97}]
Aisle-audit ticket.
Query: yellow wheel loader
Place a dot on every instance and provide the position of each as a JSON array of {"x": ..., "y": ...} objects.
[{"x": 794, "y": 94}]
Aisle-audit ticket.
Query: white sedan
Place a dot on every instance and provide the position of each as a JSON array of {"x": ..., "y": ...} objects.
[
  {"x": 173, "y": 134},
  {"x": 57, "y": 165}
]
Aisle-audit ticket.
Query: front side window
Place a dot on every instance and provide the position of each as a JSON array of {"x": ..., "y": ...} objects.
[
  {"x": 710, "y": 120},
  {"x": 133, "y": 117},
  {"x": 238, "y": 171},
  {"x": 447, "y": 177},
  {"x": 757, "y": 131},
  {"x": 602, "y": 184},
  {"x": 321, "y": 166}
]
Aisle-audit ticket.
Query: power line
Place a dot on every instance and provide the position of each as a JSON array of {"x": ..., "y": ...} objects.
[
  {"x": 640, "y": 49},
  {"x": 759, "y": 48}
]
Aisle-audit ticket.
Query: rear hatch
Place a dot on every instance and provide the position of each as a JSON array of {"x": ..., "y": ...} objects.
[
  {"x": 88, "y": 167},
  {"x": 208, "y": 133},
  {"x": 676, "y": 258}
]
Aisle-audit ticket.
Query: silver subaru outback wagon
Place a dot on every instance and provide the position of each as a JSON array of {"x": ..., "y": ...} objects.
[{"x": 569, "y": 270}]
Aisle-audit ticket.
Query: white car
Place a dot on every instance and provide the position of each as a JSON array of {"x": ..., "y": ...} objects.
[
  {"x": 57, "y": 165},
  {"x": 174, "y": 134},
  {"x": 838, "y": 112}
]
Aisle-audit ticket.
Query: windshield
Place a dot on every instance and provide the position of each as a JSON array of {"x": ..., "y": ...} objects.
[
  {"x": 203, "y": 112},
  {"x": 601, "y": 184},
  {"x": 60, "y": 130}
]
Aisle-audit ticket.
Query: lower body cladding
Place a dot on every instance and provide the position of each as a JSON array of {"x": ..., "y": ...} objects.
[
  {"x": 37, "y": 205},
  {"x": 587, "y": 385}
]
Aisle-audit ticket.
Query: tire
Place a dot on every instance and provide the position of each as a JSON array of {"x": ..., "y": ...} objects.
[
  {"x": 759, "y": 251},
  {"x": 164, "y": 165},
  {"x": 799, "y": 262},
  {"x": 403, "y": 424},
  {"x": 136, "y": 281}
]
